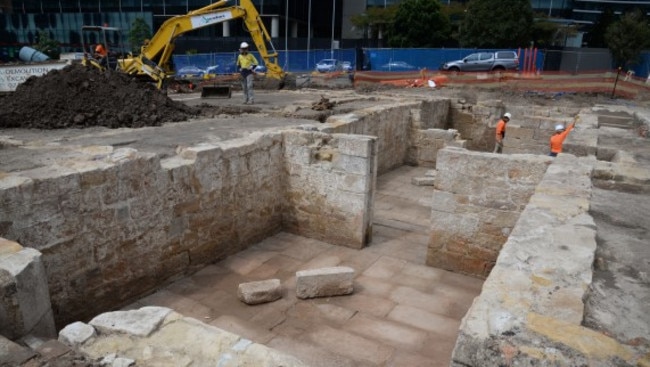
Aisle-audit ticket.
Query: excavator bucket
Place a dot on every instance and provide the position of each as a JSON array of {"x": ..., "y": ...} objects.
[{"x": 216, "y": 91}]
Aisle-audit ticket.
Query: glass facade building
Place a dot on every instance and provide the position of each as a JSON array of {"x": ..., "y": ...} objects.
[
  {"x": 286, "y": 20},
  {"x": 293, "y": 24}
]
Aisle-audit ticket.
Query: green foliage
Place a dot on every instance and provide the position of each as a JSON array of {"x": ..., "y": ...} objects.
[
  {"x": 498, "y": 24},
  {"x": 374, "y": 20},
  {"x": 627, "y": 37},
  {"x": 139, "y": 34},
  {"x": 545, "y": 33},
  {"x": 419, "y": 23},
  {"x": 48, "y": 46}
]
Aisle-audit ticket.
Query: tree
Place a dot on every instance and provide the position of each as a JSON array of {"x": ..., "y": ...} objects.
[
  {"x": 140, "y": 34},
  {"x": 47, "y": 45},
  {"x": 627, "y": 37},
  {"x": 545, "y": 33},
  {"x": 419, "y": 23},
  {"x": 498, "y": 24},
  {"x": 375, "y": 21}
]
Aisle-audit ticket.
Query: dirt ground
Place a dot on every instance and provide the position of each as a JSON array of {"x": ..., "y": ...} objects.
[{"x": 81, "y": 97}]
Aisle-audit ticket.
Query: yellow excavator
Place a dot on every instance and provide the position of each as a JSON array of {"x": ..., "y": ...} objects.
[{"x": 155, "y": 56}]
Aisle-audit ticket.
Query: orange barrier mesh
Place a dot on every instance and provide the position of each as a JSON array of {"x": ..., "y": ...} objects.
[{"x": 606, "y": 81}]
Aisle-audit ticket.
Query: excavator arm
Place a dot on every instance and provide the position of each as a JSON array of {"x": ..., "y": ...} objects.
[{"x": 156, "y": 54}]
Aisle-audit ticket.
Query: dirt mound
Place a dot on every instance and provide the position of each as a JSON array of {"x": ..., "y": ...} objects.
[{"x": 78, "y": 96}]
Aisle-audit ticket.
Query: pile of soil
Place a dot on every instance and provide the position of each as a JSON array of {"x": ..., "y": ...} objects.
[{"x": 78, "y": 96}]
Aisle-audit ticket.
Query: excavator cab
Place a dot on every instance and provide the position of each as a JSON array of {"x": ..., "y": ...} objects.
[{"x": 110, "y": 38}]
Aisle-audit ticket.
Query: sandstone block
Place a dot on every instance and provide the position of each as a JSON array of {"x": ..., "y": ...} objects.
[
  {"x": 423, "y": 181},
  {"x": 324, "y": 282},
  {"x": 263, "y": 291},
  {"x": 76, "y": 333}
]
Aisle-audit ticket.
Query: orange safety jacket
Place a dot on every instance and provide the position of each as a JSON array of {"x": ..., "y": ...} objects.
[
  {"x": 100, "y": 50},
  {"x": 501, "y": 129},
  {"x": 558, "y": 139}
]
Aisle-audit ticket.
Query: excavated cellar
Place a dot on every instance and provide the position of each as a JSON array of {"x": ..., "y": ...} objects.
[{"x": 113, "y": 224}]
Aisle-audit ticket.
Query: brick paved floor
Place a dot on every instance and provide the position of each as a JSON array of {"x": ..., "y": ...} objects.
[{"x": 402, "y": 312}]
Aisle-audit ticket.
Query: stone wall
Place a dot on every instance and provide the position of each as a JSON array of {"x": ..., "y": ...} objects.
[
  {"x": 531, "y": 307},
  {"x": 24, "y": 295},
  {"x": 529, "y": 130},
  {"x": 330, "y": 185},
  {"x": 116, "y": 225},
  {"x": 477, "y": 200},
  {"x": 407, "y": 132}
]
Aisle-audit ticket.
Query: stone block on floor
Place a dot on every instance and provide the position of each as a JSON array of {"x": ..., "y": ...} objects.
[
  {"x": 263, "y": 291},
  {"x": 423, "y": 181},
  {"x": 324, "y": 282}
]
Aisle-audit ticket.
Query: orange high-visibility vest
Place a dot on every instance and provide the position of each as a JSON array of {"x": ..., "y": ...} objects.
[
  {"x": 558, "y": 139},
  {"x": 501, "y": 129}
]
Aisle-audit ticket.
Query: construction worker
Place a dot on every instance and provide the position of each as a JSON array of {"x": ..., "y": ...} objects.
[
  {"x": 246, "y": 64},
  {"x": 557, "y": 139},
  {"x": 101, "y": 54},
  {"x": 501, "y": 132}
]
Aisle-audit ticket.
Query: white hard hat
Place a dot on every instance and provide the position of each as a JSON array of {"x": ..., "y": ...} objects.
[
  {"x": 559, "y": 127},
  {"x": 507, "y": 115},
  {"x": 243, "y": 45}
]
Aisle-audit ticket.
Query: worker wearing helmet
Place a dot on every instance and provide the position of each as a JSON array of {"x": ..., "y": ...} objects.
[
  {"x": 246, "y": 64},
  {"x": 100, "y": 54},
  {"x": 501, "y": 132},
  {"x": 557, "y": 139}
]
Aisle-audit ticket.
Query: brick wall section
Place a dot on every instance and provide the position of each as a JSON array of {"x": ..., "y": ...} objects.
[
  {"x": 330, "y": 183},
  {"x": 476, "y": 202}
]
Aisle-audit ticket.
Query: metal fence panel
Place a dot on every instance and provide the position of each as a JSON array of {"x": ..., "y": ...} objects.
[{"x": 573, "y": 60}]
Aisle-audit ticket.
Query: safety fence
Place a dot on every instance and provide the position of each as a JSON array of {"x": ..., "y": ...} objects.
[
  {"x": 610, "y": 82},
  {"x": 570, "y": 60}
]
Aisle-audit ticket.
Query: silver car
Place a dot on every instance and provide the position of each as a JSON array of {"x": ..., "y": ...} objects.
[{"x": 484, "y": 61}]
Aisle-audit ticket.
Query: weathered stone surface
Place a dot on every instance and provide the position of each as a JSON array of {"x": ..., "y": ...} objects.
[
  {"x": 76, "y": 333},
  {"x": 328, "y": 196},
  {"x": 12, "y": 354},
  {"x": 262, "y": 291},
  {"x": 9, "y": 247},
  {"x": 140, "y": 322},
  {"x": 555, "y": 238},
  {"x": 423, "y": 181},
  {"x": 24, "y": 293},
  {"x": 476, "y": 204},
  {"x": 324, "y": 282},
  {"x": 180, "y": 341}
]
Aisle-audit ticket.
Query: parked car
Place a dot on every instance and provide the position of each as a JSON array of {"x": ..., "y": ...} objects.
[
  {"x": 328, "y": 65},
  {"x": 190, "y": 72},
  {"x": 221, "y": 69},
  {"x": 397, "y": 66},
  {"x": 347, "y": 66},
  {"x": 484, "y": 61}
]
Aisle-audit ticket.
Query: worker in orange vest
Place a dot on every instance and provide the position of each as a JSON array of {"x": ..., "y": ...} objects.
[
  {"x": 100, "y": 54},
  {"x": 557, "y": 139},
  {"x": 501, "y": 132}
]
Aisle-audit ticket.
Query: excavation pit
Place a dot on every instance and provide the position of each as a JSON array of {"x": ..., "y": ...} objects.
[{"x": 131, "y": 218}]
